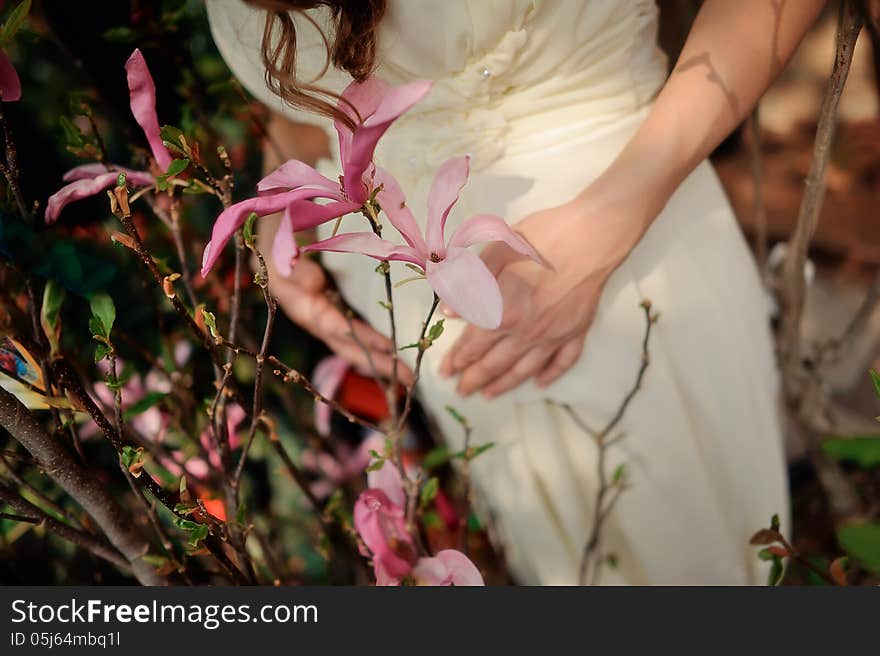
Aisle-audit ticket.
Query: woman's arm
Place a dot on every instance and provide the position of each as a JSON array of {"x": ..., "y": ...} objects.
[{"x": 734, "y": 51}]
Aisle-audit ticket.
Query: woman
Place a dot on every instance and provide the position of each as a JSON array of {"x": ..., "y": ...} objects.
[{"x": 577, "y": 138}]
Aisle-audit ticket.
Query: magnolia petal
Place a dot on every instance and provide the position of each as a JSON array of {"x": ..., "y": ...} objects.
[
  {"x": 10, "y": 84},
  {"x": 488, "y": 227},
  {"x": 467, "y": 286},
  {"x": 142, "y": 91},
  {"x": 306, "y": 214},
  {"x": 232, "y": 218},
  {"x": 383, "y": 578},
  {"x": 369, "y": 244},
  {"x": 134, "y": 178},
  {"x": 358, "y": 101},
  {"x": 387, "y": 478},
  {"x": 382, "y": 526},
  {"x": 447, "y": 185},
  {"x": 448, "y": 567},
  {"x": 462, "y": 571},
  {"x": 431, "y": 571},
  {"x": 397, "y": 101},
  {"x": 327, "y": 379},
  {"x": 293, "y": 174},
  {"x": 284, "y": 248},
  {"x": 359, "y": 153},
  {"x": 393, "y": 203},
  {"x": 75, "y": 191}
]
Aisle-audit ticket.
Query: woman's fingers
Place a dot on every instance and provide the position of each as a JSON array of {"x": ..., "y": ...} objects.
[
  {"x": 472, "y": 344},
  {"x": 564, "y": 359},
  {"x": 365, "y": 348},
  {"x": 500, "y": 358},
  {"x": 524, "y": 368}
]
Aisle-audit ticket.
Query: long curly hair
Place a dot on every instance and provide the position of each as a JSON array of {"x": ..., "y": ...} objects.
[{"x": 352, "y": 48}]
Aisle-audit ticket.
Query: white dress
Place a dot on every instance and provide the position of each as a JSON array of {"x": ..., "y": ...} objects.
[{"x": 543, "y": 94}]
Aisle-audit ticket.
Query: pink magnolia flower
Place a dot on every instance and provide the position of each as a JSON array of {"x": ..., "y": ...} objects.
[
  {"x": 382, "y": 526},
  {"x": 448, "y": 567},
  {"x": 457, "y": 275},
  {"x": 90, "y": 179},
  {"x": 386, "y": 526},
  {"x": 327, "y": 378},
  {"x": 10, "y": 85},
  {"x": 373, "y": 106}
]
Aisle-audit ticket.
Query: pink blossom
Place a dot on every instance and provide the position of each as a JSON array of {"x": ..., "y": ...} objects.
[
  {"x": 327, "y": 378},
  {"x": 90, "y": 179},
  {"x": 457, "y": 275},
  {"x": 448, "y": 567},
  {"x": 382, "y": 526},
  {"x": 373, "y": 106},
  {"x": 10, "y": 85}
]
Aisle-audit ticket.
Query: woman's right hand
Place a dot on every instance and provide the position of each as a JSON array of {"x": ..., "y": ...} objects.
[{"x": 304, "y": 299}]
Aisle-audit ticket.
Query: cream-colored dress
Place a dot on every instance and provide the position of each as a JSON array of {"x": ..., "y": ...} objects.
[{"x": 543, "y": 94}]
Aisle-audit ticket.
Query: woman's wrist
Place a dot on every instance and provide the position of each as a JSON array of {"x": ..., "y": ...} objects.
[{"x": 625, "y": 200}]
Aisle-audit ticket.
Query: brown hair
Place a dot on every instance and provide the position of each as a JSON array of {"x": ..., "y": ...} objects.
[{"x": 353, "y": 49}]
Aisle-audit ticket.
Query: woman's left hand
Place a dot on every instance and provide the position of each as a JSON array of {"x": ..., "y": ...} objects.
[{"x": 547, "y": 310}]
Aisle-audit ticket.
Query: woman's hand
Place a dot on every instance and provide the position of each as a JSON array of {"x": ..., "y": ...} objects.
[
  {"x": 303, "y": 298},
  {"x": 547, "y": 310}
]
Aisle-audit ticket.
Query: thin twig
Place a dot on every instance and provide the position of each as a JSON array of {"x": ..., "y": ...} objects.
[
  {"x": 591, "y": 559},
  {"x": 34, "y": 515}
]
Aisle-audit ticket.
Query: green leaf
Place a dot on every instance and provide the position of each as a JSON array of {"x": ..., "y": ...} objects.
[
  {"x": 174, "y": 139},
  {"x": 105, "y": 311},
  {"x": 96, "y": 327},
  {"x": 154, "y": 560},
  {"x": 431, "y": 519},
  {"x": 436, "y": 330},
  {"x": 210, "y": 322},
  {"x": 475, "y": 451},
  {"x": 184, "y": 509},
  {"x": 377, "y": 465},
  {"x": 120, "y": 34},
  {"x": 876, "y": 378},
  {"x": 247, "y": 231},
  {"x": 198, "y": 534},
  {"x": 864, "y": 451},
  {"x": 618, "y": 474},
  {"x": 777, "y": 572},
  {"x": 101, "y": 352},
  {"x": 142, "y": 405},
  {"x": 131, "y": 455},
  {"x": 435, "y": 457},
  {"x": 457, "y": 416},
  {"x": 241, "y": 514},
  {"x": 13, "y": 23},
  {"x": 429, "y": 491},
  {"x": 861, "y": 542},
  {"x": 185, "y": 524},
  {"x": 177, "y": 167},
  {"x": 50, "y": 312}
]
